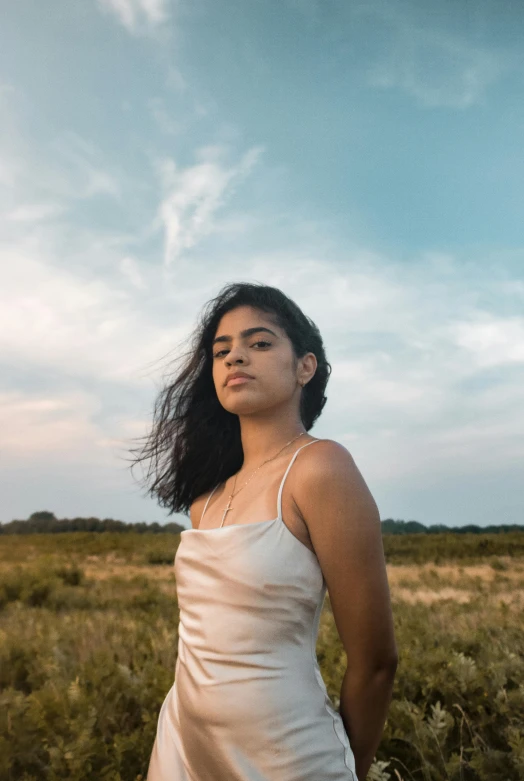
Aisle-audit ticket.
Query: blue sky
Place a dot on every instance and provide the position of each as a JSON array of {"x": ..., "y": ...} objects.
[{"x": 366, "y": 157}]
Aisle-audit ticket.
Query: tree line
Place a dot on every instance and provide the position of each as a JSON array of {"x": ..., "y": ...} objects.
[{"x": 45, "y": 522}]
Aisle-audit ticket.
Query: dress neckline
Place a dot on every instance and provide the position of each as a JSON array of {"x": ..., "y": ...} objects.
[
  {"x": 287, "y": 531},
  {"x": 230, "y": 526},
  {"x": 257, "y": 523}
]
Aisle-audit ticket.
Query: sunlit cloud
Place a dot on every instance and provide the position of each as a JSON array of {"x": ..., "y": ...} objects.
[{"x": 194, "y": 195}]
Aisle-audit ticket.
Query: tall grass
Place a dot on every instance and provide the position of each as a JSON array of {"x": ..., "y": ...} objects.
[{"x": 88, "y": 638}]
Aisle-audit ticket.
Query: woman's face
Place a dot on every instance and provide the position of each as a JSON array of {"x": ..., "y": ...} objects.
[{"x": 265, "y": 354}]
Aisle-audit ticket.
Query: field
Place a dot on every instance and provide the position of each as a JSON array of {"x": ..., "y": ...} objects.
[{"x": 88, "y": 644}]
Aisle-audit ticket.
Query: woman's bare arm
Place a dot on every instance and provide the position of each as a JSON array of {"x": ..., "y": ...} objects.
[{"x": 344, "y": 526}]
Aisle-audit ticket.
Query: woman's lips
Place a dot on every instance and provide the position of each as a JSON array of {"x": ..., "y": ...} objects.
[{"x": 238, "y": 381}]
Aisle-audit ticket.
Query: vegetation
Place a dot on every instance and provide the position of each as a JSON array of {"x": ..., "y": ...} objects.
[
  {"x": 88, "y": 639},
  {"x": 45, "y": 522}
]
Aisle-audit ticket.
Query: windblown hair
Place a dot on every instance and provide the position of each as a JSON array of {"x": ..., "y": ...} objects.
[{"x": 194, "y": 443}]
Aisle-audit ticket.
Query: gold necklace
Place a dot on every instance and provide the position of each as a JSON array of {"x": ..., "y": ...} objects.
[{"x": 228, "y": 508}]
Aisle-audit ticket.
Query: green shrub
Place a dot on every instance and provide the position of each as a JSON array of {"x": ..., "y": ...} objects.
[
  {"x": 71, "y": 576},
  {"x": 160, "y": 557}
]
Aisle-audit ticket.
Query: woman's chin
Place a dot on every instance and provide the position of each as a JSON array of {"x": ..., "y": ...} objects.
[{"x": 244, "y": 406}]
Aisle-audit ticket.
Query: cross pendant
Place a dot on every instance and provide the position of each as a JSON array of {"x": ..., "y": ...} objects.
[{"x": 228, "y": 508}]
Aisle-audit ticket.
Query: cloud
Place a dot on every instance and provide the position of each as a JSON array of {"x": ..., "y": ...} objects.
[
  {"x": 74, "y": 323},
  {"x": 494, "y": 341},
  {"x": 175, "y": 80},
  {"x": 134, "y": 15},
  {"x": 437, "y": 72},
  {"x": 413, "y": 358},
  {"x": 165, "y": 122},
  {"x": 35, "y": 426},
  {"x": 130, "y": 269},
  {"x": 84, "y": 164},
  {"x": 424, "y": 378},
  {"x": 411, "y": 391},
  {"x": 433, "y": 64},
  {"x": 41, "y": 188},
  {"x": 194, "y": 195},
  {"x": 34, "y": 212}
]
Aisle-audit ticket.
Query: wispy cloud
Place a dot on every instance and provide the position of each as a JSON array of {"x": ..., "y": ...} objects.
[
  {"x": 84, "y": 164},
  {"x": 34, "y": 212},
  {"x": 130, "y": 268},
  {"x": 429, "y": 61},
  {"x": 437, "y": 71},
  {"x": 38, "y": 187},
  {"x": 175, "y": 80},
  {"x": 194, "y": 195},
  {"x": 164, "y": 120},
  {"x": 72, "y": 322},
  {"x": 136, "y": 14}
]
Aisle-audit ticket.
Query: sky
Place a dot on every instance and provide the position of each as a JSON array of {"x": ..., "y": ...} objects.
[{"x": 366, "y": 157}]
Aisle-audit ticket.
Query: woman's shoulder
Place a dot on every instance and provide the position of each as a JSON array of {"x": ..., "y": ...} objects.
[
  {"x": 327, "y": 458},
  {"x": 328, "y": 475},
  {"x": 326, "y": 453}
]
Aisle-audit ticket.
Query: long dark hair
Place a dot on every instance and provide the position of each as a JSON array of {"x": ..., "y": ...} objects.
[{"x": 195, "y": 443}]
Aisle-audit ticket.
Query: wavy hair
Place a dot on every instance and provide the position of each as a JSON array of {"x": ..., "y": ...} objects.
[{"x": 194, "y": 443}]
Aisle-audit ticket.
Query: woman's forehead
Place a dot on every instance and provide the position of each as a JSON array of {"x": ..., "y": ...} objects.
[{"x": 247, "y": 317}]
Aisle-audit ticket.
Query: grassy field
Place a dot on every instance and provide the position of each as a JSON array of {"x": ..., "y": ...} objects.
[{"x": 88, "y": 638}]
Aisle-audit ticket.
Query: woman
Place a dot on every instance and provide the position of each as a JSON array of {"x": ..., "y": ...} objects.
[{"x": 231, "y": 446}]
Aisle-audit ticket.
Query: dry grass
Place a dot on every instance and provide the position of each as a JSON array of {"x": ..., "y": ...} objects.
[
  {"x": 485, "y": 571},
  {"x": 99, "y": 648},
  {"x": 126, "y": 571},
  {"x": 498, "y": 580},
  {"x": 429, "y": 583}
]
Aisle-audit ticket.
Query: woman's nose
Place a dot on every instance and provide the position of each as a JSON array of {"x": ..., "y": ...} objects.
[{"x": 235, "y": 355}]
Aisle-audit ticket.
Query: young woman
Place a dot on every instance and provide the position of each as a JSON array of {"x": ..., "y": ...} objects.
[{"x": 231, "y": 446}]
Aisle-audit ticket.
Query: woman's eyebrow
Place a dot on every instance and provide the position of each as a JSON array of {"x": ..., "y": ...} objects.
[{"x": 243, "y": 334}]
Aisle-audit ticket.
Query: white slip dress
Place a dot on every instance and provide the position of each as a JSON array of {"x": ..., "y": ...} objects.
[{"x": 249, "y": 702}]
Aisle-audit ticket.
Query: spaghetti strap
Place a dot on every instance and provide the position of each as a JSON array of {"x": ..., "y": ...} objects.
[
  {"x": 295, "y": 454},
  {"x": 207, "y": 502},
  {"x": 279, "y": 500}
]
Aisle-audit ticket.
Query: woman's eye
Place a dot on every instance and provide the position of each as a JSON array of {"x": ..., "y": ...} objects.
[{"x": 261, "y": 341}]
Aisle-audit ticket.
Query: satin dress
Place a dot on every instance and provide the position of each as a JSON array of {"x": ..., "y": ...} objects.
[{"x": 248, "y": 702}]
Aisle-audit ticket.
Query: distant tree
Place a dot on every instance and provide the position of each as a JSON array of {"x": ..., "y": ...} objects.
[{"x": 43, "y": 516}]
